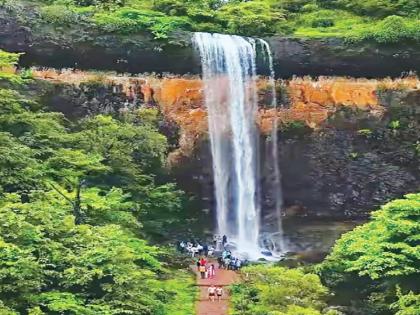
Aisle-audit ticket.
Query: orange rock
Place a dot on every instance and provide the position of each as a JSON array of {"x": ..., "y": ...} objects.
[{"x": 181, "y": 100}]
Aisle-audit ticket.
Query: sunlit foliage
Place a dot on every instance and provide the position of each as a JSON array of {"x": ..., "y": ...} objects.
[
  {"x": 73, "y": 202},
  {"x": 280, "y": 291},
  {"x": 375, "y": 257},
  {"x": 384, "y": 21}
]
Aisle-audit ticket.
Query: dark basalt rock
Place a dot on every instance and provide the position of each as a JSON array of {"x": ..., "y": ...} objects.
[
  {"x": 336, "y": 172},
  {"x": 83, "y": 46}
]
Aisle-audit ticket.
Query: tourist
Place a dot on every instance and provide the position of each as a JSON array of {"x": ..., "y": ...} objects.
[
  {"x": 232, "y": 264},
  {"x": 212, "y": 292},
  {"x": 219, "y": 292},
  {"x": 202, "y": 270},
  {"x": 219, "y": 243},
  {"x": 227, "y": 263},
  {"x": 199, "y": 248},
  {"x": 203, "y": 262},
  {"x": 215, "y": 238},
  {"x": 238, "y": 264},
  {"x": 182, "y": 246},
  {"x": 220, "y": 262},
  {"x": 224, "y": 240},
  {"x": 211, "y": 251},
  {"x": 212, "y": 271},
  {"x": 205, "y": 250},
  {"x": 198, "y": 264}
]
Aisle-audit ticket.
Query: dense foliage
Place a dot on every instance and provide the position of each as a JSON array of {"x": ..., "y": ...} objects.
[
  {"x": 379, "y": 262},
  {"x": 385, "y": 21},
  {"x": 73, "y": 200},
  {"x": 280, "y": 291}
]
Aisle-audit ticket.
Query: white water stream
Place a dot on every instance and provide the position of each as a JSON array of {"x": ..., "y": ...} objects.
[{"x": 230, "y": 89}]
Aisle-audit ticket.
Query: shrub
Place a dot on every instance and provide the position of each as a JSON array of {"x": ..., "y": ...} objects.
[
  {"x": 326, "y": 22},
  {"x": 375, "y": 257},
  {"x": 408, "y": 304},
  {"x": 130, "y": 21},
  {"x": 103, "y": 3},
  {"x": 393, "y": 29},
  {"x": 59, "y": 14},
  {"x": 376, "y": 8},
  {"x": 277, "y": 290},
  {"x": 249, "y": 18}
]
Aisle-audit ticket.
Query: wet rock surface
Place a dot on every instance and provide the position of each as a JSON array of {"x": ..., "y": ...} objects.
[{"x": 346, "y": 169}]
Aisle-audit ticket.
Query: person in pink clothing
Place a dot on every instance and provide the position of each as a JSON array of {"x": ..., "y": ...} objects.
[{"x": 212, "y": 271}]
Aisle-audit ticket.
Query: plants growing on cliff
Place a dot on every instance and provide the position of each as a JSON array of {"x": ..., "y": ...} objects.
[{"x": 384, "y": 21}]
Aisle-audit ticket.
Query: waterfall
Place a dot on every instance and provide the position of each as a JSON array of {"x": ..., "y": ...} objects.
[
  {"x": 275, "y": 150},
  {"x": 230, "y": 91}
]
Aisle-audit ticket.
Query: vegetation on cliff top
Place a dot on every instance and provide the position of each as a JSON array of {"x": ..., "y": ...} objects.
[
  {"x": 385, "y": 21},
  {"x": 75, "y": 199}
]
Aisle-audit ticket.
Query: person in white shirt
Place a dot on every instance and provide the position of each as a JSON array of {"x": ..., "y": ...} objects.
[{"x": 212, "y": 292}]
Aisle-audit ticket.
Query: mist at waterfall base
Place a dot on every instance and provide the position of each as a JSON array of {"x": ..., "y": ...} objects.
[{"x": 230, "y": 88}]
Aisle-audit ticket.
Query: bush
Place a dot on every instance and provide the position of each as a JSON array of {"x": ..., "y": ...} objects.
[
  {"x": 322, "y": 22},
  {"x": 370, "y": 260},
  {"x": 375, "y": 8},
  {"x": 408, "y": 304},
  {"x": 249, "y": 18},
  {"x": 102, "y": 3},
  {"x": 131, "y": 21},
  {"x": 277, "y": 290},
  {"x": 59, "y": 14},
  {"x": 392, "y": 30}
]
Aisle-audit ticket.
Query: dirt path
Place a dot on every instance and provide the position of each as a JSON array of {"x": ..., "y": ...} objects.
[{"x": 223, "y": 278}]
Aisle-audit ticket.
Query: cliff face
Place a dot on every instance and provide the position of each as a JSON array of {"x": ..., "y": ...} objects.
[
  {"x": 346, "y": 145},
  {"x": 82, "y": 47}
]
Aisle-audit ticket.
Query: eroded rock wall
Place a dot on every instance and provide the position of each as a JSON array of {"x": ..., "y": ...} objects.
[{"x": 346, "y": 145}]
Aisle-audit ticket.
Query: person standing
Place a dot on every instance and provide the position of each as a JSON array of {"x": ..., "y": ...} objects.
[
  {"x": 212, "y": 271},
  {"x": 220, "y": 261},
  {"x": 203, "y": 262},
  {"x": 238, "y": 264},
  {"x": 224, "y": 240},
  {"x": 203, "y": 271},
  {"x": 219, "y": 293},
  {"x": 212, "y": 292}
]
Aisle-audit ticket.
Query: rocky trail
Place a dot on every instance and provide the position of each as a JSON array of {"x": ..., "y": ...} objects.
[{"x": 223, "y": 278}]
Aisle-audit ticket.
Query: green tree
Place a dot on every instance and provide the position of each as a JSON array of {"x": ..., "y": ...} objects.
[
  {"x": 277, "y": 290},
  {"x": 378, "y": 255}
]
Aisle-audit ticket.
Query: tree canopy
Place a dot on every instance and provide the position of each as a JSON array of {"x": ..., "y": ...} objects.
[{"x": 73, "y": 201}]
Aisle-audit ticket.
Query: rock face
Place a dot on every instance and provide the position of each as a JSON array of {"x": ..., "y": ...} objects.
[
  {"x": 346, "y": 145},
  {"x": 82, "y": 46}
]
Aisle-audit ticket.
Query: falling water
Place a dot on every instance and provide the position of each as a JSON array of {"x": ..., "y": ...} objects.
[
  {"x": 229, "y": 74},
  {"x": 275, "y": 150}
]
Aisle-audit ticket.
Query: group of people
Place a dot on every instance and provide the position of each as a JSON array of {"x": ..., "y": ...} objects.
[
  {"x": 201, "y": 249},
  {"x": 214, "y": 292},
  {"x": 228, "y": 261},
  {"x": 196, "y": 248},
  {"x": 205, "y": 269}
]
